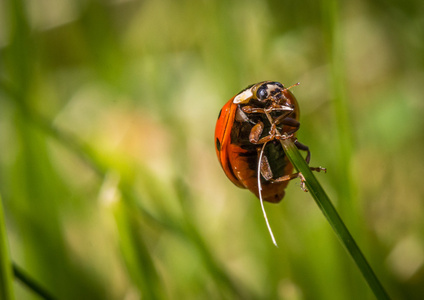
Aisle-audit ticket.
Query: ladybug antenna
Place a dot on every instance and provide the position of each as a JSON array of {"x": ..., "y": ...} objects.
[
  {"x": 296, "y": 84},
  {"x": 260, "y": 195}
]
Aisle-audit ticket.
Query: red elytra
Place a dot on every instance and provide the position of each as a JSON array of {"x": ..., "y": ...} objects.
[{"x": 252, "y": 121}]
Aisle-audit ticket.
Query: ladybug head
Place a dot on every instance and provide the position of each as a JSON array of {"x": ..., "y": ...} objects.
[
  {"x": 263, "y": 92},
  {"x": 268, "y": 90}
]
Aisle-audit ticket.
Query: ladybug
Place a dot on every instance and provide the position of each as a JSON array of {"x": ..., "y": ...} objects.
[{"x": 247, "y": 136}]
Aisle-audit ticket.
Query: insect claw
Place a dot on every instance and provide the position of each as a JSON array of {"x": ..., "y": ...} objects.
[
  {"x": 283, "y": 136},
  {"x": 319, "y": 169},
  {"x": 303, "y": 182}
]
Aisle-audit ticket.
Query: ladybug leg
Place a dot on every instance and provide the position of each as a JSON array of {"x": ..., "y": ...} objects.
[
  {"x": 289, "y": 122},
  {"x": 251, "y": 110},
  {"x": 284, "y": 120},
  {"x": 303, "y": 147},
  {"x": 256, "y": 132},
  {"x": 318, "y": 169},
  {"x": 266, "y": 171},
  {"x": 290, "y": 177},
  {"x": 281, "y": 119}
]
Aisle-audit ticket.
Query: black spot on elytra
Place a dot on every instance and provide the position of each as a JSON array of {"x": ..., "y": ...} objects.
[
  {"x": 218, "y": 144},
  {"x": 219, "y": 113}
]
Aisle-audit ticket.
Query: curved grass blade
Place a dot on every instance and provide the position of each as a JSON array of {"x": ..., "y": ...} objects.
[
  {"x": 333, "y": 218},
  {"x": 260, "y": 196}
]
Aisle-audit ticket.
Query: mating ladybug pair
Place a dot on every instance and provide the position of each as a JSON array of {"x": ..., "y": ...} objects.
[{"x": 247, "y": 136}]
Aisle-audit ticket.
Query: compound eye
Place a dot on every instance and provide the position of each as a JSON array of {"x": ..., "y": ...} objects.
[
  {"x": 262, "y": 93},
  {"x": 280, "y": 85}
]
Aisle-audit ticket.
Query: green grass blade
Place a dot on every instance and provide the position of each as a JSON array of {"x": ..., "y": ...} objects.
[
  {"x": 6, "y": 281},
  {"x": 334, "y": 219},
  {"x": 31, "y": 283}
]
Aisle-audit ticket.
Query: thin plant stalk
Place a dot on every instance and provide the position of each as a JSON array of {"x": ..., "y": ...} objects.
[
  {"x": 31, "y": 283},
  {"x": 333, "y": 218}
]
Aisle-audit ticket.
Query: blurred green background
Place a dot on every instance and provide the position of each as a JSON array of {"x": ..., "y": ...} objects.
[{"x": 108, "y": 175}]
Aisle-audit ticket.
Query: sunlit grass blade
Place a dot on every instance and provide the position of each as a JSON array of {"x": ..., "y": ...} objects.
[
  {"x": 333, "y": 218},
  {"x": 6, "y": 279}
]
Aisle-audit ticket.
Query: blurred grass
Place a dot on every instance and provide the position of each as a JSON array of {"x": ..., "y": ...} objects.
[
  {"x": 121, "y": 97},
  {"x": 6, "y": 274}
]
